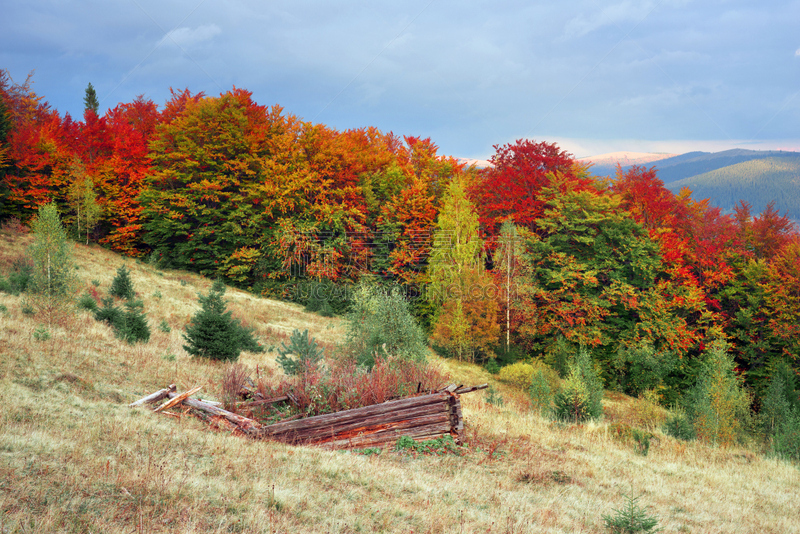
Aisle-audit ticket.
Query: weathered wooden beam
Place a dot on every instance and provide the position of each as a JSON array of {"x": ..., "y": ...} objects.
[
  {"x": 245, "y": 424},
  {"x": 154, "y": 397},
  {"x": 175, "y": 399}
]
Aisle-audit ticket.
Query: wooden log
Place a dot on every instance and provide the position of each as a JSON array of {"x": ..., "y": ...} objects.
[
  {"x": 177, "y": 399},
  {"x": 355, "y": 414},
  {"x": 470, "y": 389},
  {"x": 154, "y": 397},
  {"x": 315, "y": 432},
  {"x": 244, "y": 424}
]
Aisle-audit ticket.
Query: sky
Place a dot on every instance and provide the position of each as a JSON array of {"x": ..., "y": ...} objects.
[{"x": 668, "y": 76}]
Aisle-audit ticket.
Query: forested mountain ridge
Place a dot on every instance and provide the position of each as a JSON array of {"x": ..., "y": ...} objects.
[
  {"x": 759, "y": 181},
  {"x": 695, "y": 163}
]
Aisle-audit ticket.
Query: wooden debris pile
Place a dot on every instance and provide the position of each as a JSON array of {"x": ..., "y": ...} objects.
[{"x": 422, "y": 416}]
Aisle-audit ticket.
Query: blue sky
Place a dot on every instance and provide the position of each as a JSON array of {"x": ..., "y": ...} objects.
[{"x": 595, "y": 77}]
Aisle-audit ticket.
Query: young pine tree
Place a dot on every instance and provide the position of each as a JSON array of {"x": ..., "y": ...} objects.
[
  {"x": 718, "y": 405},
  {"x": 581, "y": 395},
  {"x": 213, "y": 333},
  {"x": 122, "y": 285}
]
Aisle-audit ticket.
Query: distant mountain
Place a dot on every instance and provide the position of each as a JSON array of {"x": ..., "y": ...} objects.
[
  {"x": 695, "y": 163},
  {"x": 606, "y": 164},
  {"x": 758, "y": 181}
]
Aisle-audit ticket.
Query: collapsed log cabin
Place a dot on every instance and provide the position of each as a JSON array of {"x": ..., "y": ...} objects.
[{"x": 423, "y": 416}]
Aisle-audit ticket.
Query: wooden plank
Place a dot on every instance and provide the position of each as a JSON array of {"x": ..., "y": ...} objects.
[
  {"x": 321, "y": 432},
  {"x": 355, "y": 413},
  {"x": 154, "y": 397},
  {"x": 177, "y": 399}
]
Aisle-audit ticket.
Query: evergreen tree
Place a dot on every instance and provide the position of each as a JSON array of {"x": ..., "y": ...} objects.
[
  {"x": 213, "y": 333},
  {"x": 718, "y": 405},
  {"x": 581, "y": 396},
  {"x": 305, "y": 350},
  {"x": 90, "y": 101},
  {"x": 122, "y": 286},
  {"x": 133, "y": 326}
]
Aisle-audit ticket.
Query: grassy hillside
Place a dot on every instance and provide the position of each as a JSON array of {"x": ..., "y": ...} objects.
[
  {"x": 758, "y": 181},
  {"x": 75, "y": 458}
]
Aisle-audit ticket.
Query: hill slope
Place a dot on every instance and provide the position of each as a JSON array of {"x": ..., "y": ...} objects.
[
  {"x": 758, "y": 181},
  {"x": 75, "y": 458},
  {"x": 695, "y": 163}
]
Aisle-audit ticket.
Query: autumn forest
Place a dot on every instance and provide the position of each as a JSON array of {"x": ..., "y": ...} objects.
[{"x": 532, "y": 256}]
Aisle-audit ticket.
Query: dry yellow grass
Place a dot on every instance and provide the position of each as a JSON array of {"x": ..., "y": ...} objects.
[{"x": 75, "y": 458}]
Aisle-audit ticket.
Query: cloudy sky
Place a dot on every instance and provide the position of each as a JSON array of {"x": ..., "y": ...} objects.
[{"x": 593, "y": 76}]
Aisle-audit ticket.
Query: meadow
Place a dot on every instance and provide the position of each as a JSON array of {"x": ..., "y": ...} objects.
[{"x": 75, "y": 458}]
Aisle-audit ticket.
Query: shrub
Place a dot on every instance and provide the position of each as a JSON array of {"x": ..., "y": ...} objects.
[
  {"x": 347, "y": 385},
  {"x": 521, "y": 374},
  {"x": 380, "y": 322},
  {"x": 325, "y": 298},
  {"x": 132, "y": 326},
  {"x": 41, "y": 334},
  {"x": 306, "y": 351},
  {"x": 518, "y": 374},
  {"x": 493, "y": 397},
  {"x": 87, "y": 302},
  {"x": 164, "y": 326},
  {"x": 492, "y": 366},
  {"x": 641, "y": 368},
  {"x": 213, "y": 333},
  {"x": 542, "y": 391},
  {"x": 780, "y": 400},
  {"x": 679, "y": 426},
  {"x": 109, "y": 312},
  {"x": 786, "y": 442},
  {"x": 630, "y": 434},
  {"x": 20, "y": 276},
  {"x": 718, "y": 405},
  {"x": 631, "y": 519},
  {"x": 122, "y": 286},
  {"x": 581, "y": 395}
]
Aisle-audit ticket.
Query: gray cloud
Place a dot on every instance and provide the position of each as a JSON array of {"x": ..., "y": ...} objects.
[{"x": 469, "y": 74}]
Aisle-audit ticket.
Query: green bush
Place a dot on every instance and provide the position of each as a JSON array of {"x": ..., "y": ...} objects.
[
  {"x": 718, "y": 406},
  {"x": 325, "y": 298},
  {"x": 581, "y": 394},
  {"x": 786, "y": 442},
  {"x": 542, "y": 390},
  {"x": 780, "y": 400},
  {"x": 132, "y": 327},
  {"x": 492, "y": 366},
  {"x": 213, "y": 333},
  {"x": 109, "y": 312},
  {"x": 493, "y": 397},
  {"x": 631, "y": 519},
  {"x": 305, "y": 350},
  {"x": 41, "y": 333},
  {"x": 641, "y": 368},
  {"x": 122, "y": 285},
  {"x": 380, "y": 321},
  {"x": 679, "y": 426},
  {"x": 87, "y": 302}
]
